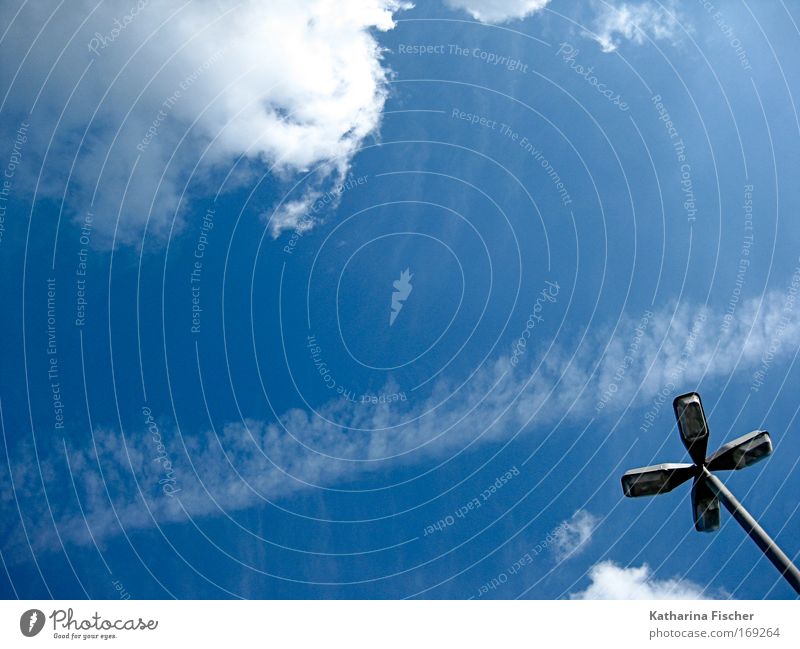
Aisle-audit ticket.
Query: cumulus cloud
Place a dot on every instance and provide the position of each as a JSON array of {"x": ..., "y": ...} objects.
[
  {"x": 498, "y": 11},
  {"x": 573, "y": 535},
  {"x": 152, "y": 92},
  {"x": 633, "y": 22},
  {"x": 610, "y": 581},
  {"x": 651, "y": 357}
]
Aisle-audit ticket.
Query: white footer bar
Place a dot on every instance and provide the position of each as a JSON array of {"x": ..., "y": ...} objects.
[{"x": 389, "y": 624}]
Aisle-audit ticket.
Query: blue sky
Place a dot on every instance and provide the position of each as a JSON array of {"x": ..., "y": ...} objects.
[{"x": 207, "y": 214}]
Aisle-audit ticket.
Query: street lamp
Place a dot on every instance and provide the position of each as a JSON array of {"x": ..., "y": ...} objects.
[{"x": 708, "y": 491}]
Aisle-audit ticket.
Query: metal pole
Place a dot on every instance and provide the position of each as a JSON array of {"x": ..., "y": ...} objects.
[{"x": 754, "y": 530}]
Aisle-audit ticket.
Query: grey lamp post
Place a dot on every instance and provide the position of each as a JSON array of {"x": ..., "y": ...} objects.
[{"x": 708, "y": 491}]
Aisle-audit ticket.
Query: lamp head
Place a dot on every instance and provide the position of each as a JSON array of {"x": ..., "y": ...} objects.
[
  {"x": 741, "y": 452},
  {"x": 705, "y": 507},
  {"x": 656, "y": 479},
  {"x": 692, "y": 425}
]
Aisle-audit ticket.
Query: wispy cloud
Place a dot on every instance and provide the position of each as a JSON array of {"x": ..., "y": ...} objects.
[
  {"x": 610, "y": 581},
  {"x": 669, "y": 350},
  {"x": 172, "y": 95},
  {"x": 498, "y": 11},
  {"x": 292, "y": 215},
  {"x": 633, "y": 22},
  {"x": 574, "y": 534}
]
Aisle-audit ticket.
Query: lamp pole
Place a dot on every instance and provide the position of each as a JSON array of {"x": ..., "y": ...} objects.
[
  {"x": 708, "y": 490},
  {"x": 754, "y": 530}
]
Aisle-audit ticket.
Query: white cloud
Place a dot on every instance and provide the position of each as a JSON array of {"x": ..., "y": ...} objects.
[
  {"x": 572, "y": 536},
  {"x": 610, "y": 581},
  {"x": 301, "y": 214},
  {"x": 287, "y": 86},
  {"x": 498, "y": 11},
  {"x": 292, "y": 215},
  {"x": 634, "y": 22},
  {"x": 253, "y": 461}
]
